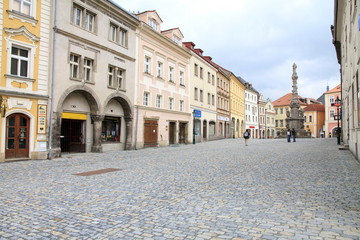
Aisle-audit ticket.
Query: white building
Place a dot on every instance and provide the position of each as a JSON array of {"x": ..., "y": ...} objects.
[
  {"x": 252, "y": 110},
  {"x": 270, "y": 116}
]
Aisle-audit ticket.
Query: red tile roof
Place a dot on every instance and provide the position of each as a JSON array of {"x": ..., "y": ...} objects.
[
  {"x": 315, "y": 107},
  {"x": 286, "y": 100},
  {"x": 335, "y": 89}
]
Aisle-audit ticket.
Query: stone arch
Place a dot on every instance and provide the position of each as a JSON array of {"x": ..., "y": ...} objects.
[{"x": 128, "y": 115}]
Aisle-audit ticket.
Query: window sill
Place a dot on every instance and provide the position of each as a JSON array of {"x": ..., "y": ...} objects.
[
  {"x": 147, "y": 73},
  {"x": 114, "y": 88},
  {"x": 8, "y": 76},
  {"x": 22, "y": 17},
  {"x": 172, "y": 82}
]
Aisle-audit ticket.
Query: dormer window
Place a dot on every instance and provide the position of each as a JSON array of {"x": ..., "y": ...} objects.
[
  {"x": 176, "y": 39},
  {"x": 153, "y": 24}
]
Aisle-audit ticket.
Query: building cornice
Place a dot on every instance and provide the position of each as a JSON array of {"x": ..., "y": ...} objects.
[
  {"x": 99, "y": 46},
  {"x": 22, "y": 94}
]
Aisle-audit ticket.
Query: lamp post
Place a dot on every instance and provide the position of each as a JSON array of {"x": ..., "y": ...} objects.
[{"x": 337, "y": 117}]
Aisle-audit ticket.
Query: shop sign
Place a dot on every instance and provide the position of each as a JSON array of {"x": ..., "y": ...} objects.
[{"x": 41, "y": 119}]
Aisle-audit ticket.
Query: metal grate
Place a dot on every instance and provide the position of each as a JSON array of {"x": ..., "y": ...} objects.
[{"x": 101, "y": 171}]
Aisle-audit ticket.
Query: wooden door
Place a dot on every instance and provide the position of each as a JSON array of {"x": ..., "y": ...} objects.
[
  {"x": 172, "y": 129},
  {"x": 17, "y": 136},
  {"x": 150, "y": 133},
  {"x": 204, "y": 131}
]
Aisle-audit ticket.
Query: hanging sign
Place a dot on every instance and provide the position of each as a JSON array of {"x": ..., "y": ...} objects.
[{"x": 41, "y": 118}]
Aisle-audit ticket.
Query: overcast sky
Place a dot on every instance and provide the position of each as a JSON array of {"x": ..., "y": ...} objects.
[{"x": 258, "y": 40}]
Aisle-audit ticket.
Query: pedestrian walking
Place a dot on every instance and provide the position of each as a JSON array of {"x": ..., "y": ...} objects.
[
  {"x": 246, "y": 136},
  {"x": 293, "y": 133},
  {"x": 288, "y": 133}
]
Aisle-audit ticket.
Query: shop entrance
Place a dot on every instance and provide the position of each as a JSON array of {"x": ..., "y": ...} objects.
[
  {"x": 72, "y": 135},
  {"x": 182, "y": 133},
  {"x": 17, "y": 136},
  {"x": 172, "y": 132}
]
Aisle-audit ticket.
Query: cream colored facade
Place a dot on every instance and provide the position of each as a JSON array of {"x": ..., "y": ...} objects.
[
  {"x": 223, "y": 104},
  {"x": 346, "y": 38},
  {"x": 162, "y": 115},
  {"x": 203, "y": 96},
  {"x": 252, "y": 111},
  {"x": 270, "y": 119},
  {"x": 237, "y": 107},
  {"x": 262, "y": 117},
  {"x": 94, "y": 74},
  {"x": 24, "y": 70}
]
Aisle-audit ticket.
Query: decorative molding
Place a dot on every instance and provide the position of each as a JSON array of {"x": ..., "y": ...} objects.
[
  {"x": 22, "y": 31},
  {"x": 22, "y": 17}
]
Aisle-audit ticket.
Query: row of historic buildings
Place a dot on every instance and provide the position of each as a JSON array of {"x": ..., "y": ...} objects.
[
  {"x": 88, "y": 76},
  {"x": 346, "y": 39}
]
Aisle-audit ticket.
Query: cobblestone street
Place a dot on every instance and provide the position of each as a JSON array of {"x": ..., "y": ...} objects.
[{"x": 270, "y": 189}]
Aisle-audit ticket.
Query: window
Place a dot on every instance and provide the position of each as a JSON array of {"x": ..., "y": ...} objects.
[
  {"x": 281, "y": 123},
  {"x": 209, "y": 98},
  {"x": 331, "y": 99},
  {"x": 213, "y": 80},
  {"x": 201, "y": 73},
  {"x": 152, "y": 23},
  {"x": 310, "y": 118},
  {"x": 158, "y": 101},
  {"x": 23, "y": 6},
  {"x": 111, "y": 129},
  {"x": 89, "y": 21},
  {"x": 122, "y": 37},
  {"x": 196, "y": 69},
  {"x": 181, "y": 105},
  {"x": 74, "y": 66},
  {"x": 209, "y": 79},
  {"x": 111, "y": 76},
  {"x": 196, "y": 94},
  {"x": 171, "y": 74},
  {"x": 88, "y": 68},
  {"x": 281, "y": 110},
  {"x": 146, "y": 99},
  {"x": 160, "y": 69},
  {"x": 113, "y": 32},
  {"x": 181, "y": 78},
  {"x": 276, "y": 123},
  {"x": 201, "y": 96},
  {"x": 147, "y": 64},
  {"x": 120, "y": 74},
  {"x": 171, "y": 103},
  {"x": 332, "y": 112},
  {"x": 213, "y": 100},
  {"x": 19, "y": 62},
  {"x": 176, "y": 39},
  {"x": 77, "y": 15},
  {"x": 305, "y": 118}
]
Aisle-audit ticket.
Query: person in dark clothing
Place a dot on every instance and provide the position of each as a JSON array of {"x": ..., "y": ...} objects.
[
  {"x": 293, "y": 133},
  {"x": 288, "y": 134}
]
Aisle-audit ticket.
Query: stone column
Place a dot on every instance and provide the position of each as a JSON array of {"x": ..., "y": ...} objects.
[
  {"x": 128, "y": 137},
  {"x": 97, "y": 119}
]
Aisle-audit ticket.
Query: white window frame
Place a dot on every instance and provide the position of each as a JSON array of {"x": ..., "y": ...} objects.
[
  {"x": 147, "y": 64},
  {"x": 181, "y": 106},
  {"x": 160, "y": 69},
  {"x": 20, "y": 60},
  {"x": 331, "y": 99},
  {"x": 146, "y": 99},
  {"x": 158, "y": 101},
  {"x": 111, "y": 76},
  {"x": 73, "y": 65},
  {"x": 332, "y": 113},
  {"x": 181, "y": 78},
  {"x": 120, "y": 78},
  {"x": 77, "y": 17},
  {"x": 21, "y": 6},
  {"x": 122, "y": 37},
  {"x": 171, "y": 74},
  {"x": 113, "y": 32},
  {"x": 88, "y": 69},
  {"x": 89, "y": 23},
  {"x": 153, "y": 24},
  {"x": 171, "y": 103}
]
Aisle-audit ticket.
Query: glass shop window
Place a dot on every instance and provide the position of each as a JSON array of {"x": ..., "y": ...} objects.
[{"x": 111, "y": 129}]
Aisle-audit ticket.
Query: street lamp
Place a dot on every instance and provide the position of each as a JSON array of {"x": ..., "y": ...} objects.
[
  {"x": 337, "y": 117},
  {"x": 194, "y": 126}
]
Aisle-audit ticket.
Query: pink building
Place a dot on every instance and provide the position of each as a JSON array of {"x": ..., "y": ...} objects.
[
  {"x": 330, "y": 123},
  {"x": 162, "y": 112}
]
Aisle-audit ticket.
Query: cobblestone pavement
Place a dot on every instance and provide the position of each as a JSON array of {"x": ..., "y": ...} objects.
[{"x": 215, "y": 190}]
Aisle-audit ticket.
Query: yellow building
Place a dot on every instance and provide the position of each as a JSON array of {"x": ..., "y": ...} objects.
[
  {"x": 314, "y": 119},
  {"x": 237, "y": 105},
  {"x": 24, "y": 78}
]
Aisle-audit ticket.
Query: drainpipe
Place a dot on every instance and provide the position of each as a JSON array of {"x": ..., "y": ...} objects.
[
  {"x": 52, "y": 84},
  {"x": 136, "y": 125}
]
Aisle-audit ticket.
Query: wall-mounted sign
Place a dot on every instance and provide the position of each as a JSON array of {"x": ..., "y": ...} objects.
[
  {"x": 197, "y": 113},
  {"x": 41, "y": 118}
]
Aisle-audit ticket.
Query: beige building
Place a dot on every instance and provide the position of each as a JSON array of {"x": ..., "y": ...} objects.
[
  {"x": 346, "y": 38},
  {"x": 314, "y": 119},
  {"x": 162, "y": 115},
  {"x": 262, "y": 116},
  {"x": 203, "y": 90},
  {"x": 237, "y": 105},
  {"x": 93, "y": 77},
  {"x": 270, "y": 119}
]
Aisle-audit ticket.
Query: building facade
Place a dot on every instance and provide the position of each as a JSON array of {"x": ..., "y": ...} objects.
[
  {"x": 262, "y": 117},
  {"x": 331, "y": 125},
  {"x": 203, "y": 95},
  {"x": 94, "y": 74},
  {"x": 314, "y": 115},
  {"x": 270, "y": 119},
  {"x": 237, "y": 102},
  {"x": 252, "y": 110},
  {"x": 25, "y": 55},
  {"x": 346, "y": 39},
  {"x": 163, "y": 89}
]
